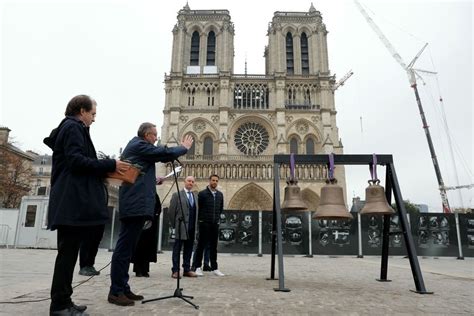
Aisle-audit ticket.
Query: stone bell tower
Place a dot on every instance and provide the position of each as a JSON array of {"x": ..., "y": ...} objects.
[{"x": 239, "y": 121}]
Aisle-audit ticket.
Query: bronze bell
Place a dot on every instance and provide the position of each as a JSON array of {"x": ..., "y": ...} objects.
[
  {"x": 375, "y": 200},
  {"x": 293, "y": 200},
  {"x": 331, "y": 205}
]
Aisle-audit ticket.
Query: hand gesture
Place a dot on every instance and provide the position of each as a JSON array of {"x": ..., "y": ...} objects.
[
  {"x": 121, "y": 166},
  {"x": 187, "y": 141},
  {"x": 159, "y": 180}
]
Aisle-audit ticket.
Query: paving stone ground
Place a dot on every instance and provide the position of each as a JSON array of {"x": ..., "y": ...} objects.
[{"x": 319, "y": 286}]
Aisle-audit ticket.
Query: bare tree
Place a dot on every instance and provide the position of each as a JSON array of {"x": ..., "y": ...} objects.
[{"x": 15, "y": 174}]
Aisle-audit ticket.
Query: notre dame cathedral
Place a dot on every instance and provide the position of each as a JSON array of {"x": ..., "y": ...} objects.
[{"x": 240, "y": 121}]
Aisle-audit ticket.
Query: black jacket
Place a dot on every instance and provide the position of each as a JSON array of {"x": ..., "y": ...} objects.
[
  {"x": 210, "y": 208},
  {"x": 78, "y": 195}
]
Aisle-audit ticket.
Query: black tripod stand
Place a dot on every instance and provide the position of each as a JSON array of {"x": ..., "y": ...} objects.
[{"x": 178, "y": 292}]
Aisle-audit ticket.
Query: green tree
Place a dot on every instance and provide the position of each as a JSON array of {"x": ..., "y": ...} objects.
[
  {"x": 411, "y": 208},
  {"x": 15, "y": 174}
]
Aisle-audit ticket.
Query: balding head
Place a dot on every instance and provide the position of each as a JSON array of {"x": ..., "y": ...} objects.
[{"x": 189, "y": 183}]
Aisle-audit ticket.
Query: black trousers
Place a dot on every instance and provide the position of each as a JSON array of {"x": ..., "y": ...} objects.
[
  {"x": 128, "y": 238},
  {"x": 208, "y": 234},
  {"x": 90, "y": 246},
  {"x": 69, "y": 241}
]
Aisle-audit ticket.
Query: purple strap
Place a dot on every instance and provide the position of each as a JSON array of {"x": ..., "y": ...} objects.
[
  {"x": 373, "y": 167},
  {"x": 331, "y": 167},
  {"x": 292, "y": 166}
]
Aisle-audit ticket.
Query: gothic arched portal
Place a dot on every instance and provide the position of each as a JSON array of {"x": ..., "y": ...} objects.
[{"x": 251, "y": 197}]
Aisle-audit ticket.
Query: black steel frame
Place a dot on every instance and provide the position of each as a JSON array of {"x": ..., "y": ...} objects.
[{"x": 391, "y": 185}]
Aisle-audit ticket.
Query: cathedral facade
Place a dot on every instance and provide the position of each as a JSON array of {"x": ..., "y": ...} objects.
[{"x": 239, "y": 121}]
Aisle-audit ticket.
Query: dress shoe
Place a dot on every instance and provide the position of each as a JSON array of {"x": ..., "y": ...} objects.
[
  {"x": 134, "y": 297},
  {"x": 80, "y": 308},
  {"x": 206, "y": 268},
  {"x": 120, "y": 300},
  {"x": 139, "y": 274},
  {"x": 146, "y": 275},
  {"x": 175, "y": 275},
  {"x": 70, "y": 311},
  {"x": 190, "y": 274}
]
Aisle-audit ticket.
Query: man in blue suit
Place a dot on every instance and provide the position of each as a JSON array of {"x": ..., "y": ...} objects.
[{"x": 136, "y": 205}]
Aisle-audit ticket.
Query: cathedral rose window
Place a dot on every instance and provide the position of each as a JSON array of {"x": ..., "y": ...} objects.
[{"x": 251, "y": 138}]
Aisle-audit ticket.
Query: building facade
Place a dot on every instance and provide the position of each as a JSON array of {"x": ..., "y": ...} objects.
[
  {"x": 41, "y": 174},
  {"x": 239, "y": 121}
]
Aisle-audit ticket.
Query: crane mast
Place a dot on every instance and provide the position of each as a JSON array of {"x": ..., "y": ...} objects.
[{"x": 412, "y": 79}]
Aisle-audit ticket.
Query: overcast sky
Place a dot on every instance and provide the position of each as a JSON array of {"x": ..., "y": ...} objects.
[{"x": 118, "y": 52}]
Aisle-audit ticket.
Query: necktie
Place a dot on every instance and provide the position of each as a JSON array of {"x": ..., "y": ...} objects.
[{"x": 190, "y": 198}]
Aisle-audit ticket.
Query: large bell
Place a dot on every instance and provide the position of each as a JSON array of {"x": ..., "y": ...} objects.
[
  {"x": 293, "y": 200},
  {"x": 331, "y": 205},
  {"x": 375, "y": 200}
]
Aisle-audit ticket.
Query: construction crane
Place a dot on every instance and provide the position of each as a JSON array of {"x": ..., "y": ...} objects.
[
  {"x": 342, "y": 81},
  {"x": 412, "y": 75}
]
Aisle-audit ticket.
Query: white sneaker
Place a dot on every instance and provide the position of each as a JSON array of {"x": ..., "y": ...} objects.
[
  {"x": 199, "y": 272},
  {"x": 218, "y": 273}
]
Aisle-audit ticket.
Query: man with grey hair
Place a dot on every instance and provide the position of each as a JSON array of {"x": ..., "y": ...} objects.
[{"x": 136, "y": 205}]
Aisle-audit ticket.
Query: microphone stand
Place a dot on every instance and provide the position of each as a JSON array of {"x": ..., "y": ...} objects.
[{"x": 178, "y": 292}]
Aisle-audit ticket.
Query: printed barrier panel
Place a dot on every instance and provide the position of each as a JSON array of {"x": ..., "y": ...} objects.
[
  {"x": 435, "y": 234},
  {"x": 238, "y": 232},
  {"x": 466, "y": 222},
  {"x": 294, "y": 233},
  {"x": 334, "y": 237},
  {"x": 372, "y": 228}
]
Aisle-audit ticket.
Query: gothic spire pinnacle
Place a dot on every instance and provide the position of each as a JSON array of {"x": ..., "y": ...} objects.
[{"x": 186, "y": 7}]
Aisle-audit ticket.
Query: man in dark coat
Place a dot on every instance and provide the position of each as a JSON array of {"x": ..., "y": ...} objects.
[
  {"x": 183, "y": 214},
  {"x": 78, "y": 198},
  {"x": 211, "y": 205},
  {"x": 136, "y": 205}
]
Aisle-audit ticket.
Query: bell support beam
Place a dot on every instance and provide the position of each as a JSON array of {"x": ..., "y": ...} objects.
[
  {"x": 386, "y": 230},
  {"x": 391, "y": 185},
  {"x": 409, "y": 243}
]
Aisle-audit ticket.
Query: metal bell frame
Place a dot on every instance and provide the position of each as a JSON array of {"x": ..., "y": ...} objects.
[{"x": 391, "y": 184}]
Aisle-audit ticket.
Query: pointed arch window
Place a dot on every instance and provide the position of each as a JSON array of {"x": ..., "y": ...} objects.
[
  {"x": 211, "y": 49},
  {"x": 289, "y": 54},
  {"x": 293, "y": 145},
  {"x": 207, "y": 149},
  {"x": 310, "y": 146},
  {"x": 304, "y": 54},
  {"x": 194, "y": 61}
]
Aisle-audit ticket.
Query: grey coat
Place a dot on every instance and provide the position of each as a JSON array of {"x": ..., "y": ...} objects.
[{"x": 174, "y": 209}]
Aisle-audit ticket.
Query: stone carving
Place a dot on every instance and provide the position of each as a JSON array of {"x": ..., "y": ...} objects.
[
  {"x": 289, "y": 118},
  {"x": 215, "y": 118},
  {"x": 199, "y": 126},
  {"x": 302, "y": 127},
  {"x": 183, "y": 118}
]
